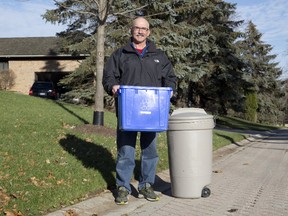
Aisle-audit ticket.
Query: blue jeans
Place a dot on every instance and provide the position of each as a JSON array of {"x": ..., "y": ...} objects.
[{"x": 125, "y": 164}]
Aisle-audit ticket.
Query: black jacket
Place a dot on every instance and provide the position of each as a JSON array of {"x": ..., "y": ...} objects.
[{"x": 127, "y": 67}]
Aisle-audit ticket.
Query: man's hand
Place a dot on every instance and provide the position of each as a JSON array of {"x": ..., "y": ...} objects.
[{"x": 115, "y": 89}]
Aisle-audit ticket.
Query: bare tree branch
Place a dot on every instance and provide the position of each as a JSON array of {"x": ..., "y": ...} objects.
[{"x": 129, "y": 11}]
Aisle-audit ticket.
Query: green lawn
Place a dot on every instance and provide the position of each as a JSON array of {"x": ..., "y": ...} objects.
[{"x": 46, "y": 164}]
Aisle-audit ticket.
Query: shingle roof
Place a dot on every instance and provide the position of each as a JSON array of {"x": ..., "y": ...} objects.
[{"x": 43, "y": 46}]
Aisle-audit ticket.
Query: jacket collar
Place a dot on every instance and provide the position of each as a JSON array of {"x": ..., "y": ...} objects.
[{"x": 129, "y": 48}]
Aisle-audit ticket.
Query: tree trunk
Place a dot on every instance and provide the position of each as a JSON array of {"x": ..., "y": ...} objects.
[{"x": 98, "y": 117}]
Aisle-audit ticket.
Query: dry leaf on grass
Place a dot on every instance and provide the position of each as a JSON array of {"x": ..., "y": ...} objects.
[
  {"x": 59, "y": 182},
  {"x": 4, "y": 198},
  {"x": 38, "y": 182},
  {"x": 13, "y": 213}
]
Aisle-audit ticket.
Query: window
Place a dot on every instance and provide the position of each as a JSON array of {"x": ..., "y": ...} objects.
[{"x": 4, "y": 66}]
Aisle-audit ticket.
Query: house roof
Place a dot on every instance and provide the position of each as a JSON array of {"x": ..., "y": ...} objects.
[{"x": 30, "y": 46}]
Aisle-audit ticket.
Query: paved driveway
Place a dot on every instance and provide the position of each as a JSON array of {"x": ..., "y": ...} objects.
[{"x": 249, "y": 178}]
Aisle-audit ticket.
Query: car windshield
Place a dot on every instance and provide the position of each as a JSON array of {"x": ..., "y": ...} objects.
[{"x": 42, "y": 85}]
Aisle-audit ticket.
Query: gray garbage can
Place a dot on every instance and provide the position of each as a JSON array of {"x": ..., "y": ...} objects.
[{"x": 189, "y": 138}]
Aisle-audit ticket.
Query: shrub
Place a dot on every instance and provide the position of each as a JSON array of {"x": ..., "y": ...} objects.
[
  {"x": 251, "y": 107},
  {"x": 7, "y": 79}
]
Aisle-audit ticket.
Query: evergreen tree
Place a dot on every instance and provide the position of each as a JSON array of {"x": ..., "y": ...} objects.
[
  {"x": 198, "y": 36},
  {"x": 222, "y": 86},
  {"x": 283, "y": 101},
  {"x": 251, "y": 106},
  {"x": 263, "y": 72}
]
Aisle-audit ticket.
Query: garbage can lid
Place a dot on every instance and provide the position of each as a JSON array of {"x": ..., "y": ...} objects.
[{"x": 190, "y": 118}]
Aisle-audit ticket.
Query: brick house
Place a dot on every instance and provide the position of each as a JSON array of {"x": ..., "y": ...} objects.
[{"x": 35, "y": 58}]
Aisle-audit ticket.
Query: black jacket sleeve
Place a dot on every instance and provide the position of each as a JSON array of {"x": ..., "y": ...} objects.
[
  {"x": 111, "y": 74},
  {"x": 168, "y": 75}
]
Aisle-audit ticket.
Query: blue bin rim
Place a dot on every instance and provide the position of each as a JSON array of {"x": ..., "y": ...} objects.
[{"x": 145, "y": 87}]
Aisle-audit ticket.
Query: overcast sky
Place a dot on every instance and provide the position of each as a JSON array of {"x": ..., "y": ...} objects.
[{"x": 22, "y": 18}]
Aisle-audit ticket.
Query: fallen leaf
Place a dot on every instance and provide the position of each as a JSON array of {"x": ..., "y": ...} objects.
[
  {"x": 34, "y": 181},
  {"x": 232, "y": 210},
  {"x": 71, "y": 212},
  {"x": 10, "y": 213},
  {"x": 4, "y": 198},
  {"x": 50, "y": 175},
  {"x": 217, "y": 171},
  {"x": 13, "y": 213},
  {"x": 61, "y": 181},
  {"x": 65, "y": 125},
  {"x": 21, "y": 173},
  {"x": 37, "y": 182},
  {"x": 15, "y": 196},
  {"x": 88, "y": 140}
]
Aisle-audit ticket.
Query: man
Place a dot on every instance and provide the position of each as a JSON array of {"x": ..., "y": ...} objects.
[{"x": 138, "y": 63}]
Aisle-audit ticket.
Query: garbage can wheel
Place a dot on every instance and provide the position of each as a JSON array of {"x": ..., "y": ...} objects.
[{"x": 206, "y": 192}]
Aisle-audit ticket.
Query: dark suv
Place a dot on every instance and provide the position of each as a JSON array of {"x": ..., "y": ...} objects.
[{"x": 43, "y": 89}]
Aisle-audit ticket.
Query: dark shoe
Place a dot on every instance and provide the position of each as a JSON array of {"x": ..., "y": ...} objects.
[
  {"x": 148, "y": 193},
  {"x": 122, "y": 196}
]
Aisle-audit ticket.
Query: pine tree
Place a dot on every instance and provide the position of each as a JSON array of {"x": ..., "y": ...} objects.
[
  {"x": 221, "y": 87},
  {"x": 263, "y": 72},
  {"x": 198, "y": 37}
]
